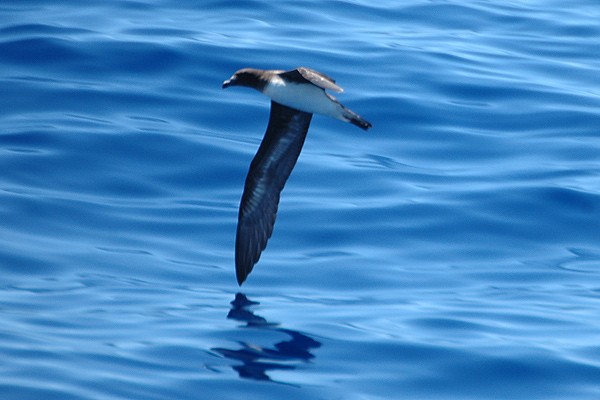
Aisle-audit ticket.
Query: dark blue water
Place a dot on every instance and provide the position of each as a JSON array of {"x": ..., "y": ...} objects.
[{"x": 451, "y": 252}]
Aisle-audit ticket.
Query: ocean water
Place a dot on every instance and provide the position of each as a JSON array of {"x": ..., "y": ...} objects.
[{"x": 451, "y": 252}]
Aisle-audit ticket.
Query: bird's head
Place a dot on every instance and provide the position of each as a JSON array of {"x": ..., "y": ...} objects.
[{"x": 249, "y": 77}]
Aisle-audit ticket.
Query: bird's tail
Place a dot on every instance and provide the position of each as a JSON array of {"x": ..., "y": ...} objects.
[{"x": 355, "y": 119}]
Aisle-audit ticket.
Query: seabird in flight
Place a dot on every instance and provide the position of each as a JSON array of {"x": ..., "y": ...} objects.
[{"x": 295, "y": 96}]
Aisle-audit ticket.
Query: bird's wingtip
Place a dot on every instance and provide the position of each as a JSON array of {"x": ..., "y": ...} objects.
[{"x": 240, "y": 275}]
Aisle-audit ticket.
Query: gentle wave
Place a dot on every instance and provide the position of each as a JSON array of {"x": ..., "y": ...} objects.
[{"x": 450, "y": 252}]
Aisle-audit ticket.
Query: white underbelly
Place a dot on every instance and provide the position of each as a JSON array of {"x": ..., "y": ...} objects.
[{"x": 303, "y": 97}]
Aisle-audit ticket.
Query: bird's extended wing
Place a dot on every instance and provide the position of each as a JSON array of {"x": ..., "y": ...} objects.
[
  {"x": 268, "y": 173},
  {"x": 304, "y": 74}
]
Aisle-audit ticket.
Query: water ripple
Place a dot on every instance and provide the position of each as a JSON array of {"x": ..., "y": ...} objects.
[{"x": 449, "y": 253}]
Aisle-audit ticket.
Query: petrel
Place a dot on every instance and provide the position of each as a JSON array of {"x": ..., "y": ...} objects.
[{"x": 295, "y": 96}]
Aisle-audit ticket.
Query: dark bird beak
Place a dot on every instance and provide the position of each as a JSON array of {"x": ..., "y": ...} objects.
[{"x": 228, "y": 82}]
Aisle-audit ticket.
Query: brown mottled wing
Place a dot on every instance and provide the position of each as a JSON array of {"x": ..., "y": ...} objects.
[
  {"x": 268, "y": 173},
  {"x": 303, "y": 74}
]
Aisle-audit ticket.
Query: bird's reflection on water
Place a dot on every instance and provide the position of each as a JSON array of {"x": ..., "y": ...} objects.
[{"x": 258, "y": 360}]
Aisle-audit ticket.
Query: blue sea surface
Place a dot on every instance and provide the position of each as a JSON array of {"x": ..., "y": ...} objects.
[{"x": 450, "y": 252}]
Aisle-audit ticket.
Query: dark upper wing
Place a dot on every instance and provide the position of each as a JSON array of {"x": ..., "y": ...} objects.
[
  {"x": 303, "y": 74},
  {"x": 268, "y": 173}
]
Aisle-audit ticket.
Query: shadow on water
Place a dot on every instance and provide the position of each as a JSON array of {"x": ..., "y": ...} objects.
[{"x": 258, "y": 360}]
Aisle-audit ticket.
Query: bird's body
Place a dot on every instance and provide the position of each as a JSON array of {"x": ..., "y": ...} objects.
[
  {"x": 295, "y": 96},
  {"x": 307, "y": 98}
]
